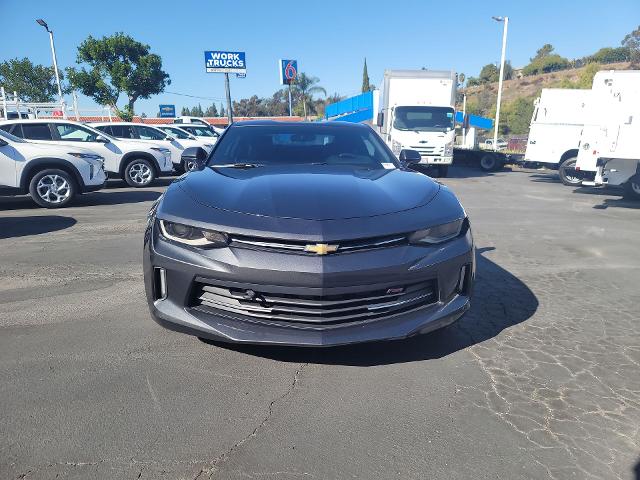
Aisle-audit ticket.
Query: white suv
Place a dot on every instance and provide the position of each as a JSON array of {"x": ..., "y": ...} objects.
[
  {"x": 51, "y": 174},
  {"x": 176, "y": 142},
  {"x": 137, "y": 163}
]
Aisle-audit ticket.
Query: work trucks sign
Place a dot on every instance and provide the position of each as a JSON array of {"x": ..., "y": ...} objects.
[{"x": 220, "y": 61}]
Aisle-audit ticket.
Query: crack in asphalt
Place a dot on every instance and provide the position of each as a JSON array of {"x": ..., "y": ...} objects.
[
  {"x": 210, "y": 471},
  {"x": 566, "y": 383}
]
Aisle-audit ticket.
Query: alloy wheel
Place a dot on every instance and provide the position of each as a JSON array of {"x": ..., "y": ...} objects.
[
  {"x": 140, "y": 173},
  {"x": 53, "y": 189}
]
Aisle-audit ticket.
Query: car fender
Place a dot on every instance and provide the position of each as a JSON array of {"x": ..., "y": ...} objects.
[
  {"x": 48, "y": 162},
  {"x": 139, "y": 154}
]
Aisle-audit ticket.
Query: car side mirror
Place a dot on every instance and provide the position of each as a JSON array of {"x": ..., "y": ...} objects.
[
  {"x": 380, "y": 119},
  {"x": 102, "y": 139},
  {"x": 408, "y": 156},
  {"x": 3, "y": 143},
  {"x": 192, "y": 137},
  {"x": 194, "y": 158}
]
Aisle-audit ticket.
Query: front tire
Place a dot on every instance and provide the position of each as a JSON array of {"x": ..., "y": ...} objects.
[
  {"x": 52, "y": 188},
  {"x": 632, "y": 188},
  {"x": 139, "y": 173},
  {"x": 569, "y": 176}
]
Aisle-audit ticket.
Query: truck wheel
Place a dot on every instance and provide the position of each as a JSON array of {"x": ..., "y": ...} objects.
[
  {"x": 488, "y": 163},
  {"x": 139, "y": 173},
  {"x": 632, "y": 188},
  {"x": 52, "y": 188},
  {"x": 569, "y": 176}
]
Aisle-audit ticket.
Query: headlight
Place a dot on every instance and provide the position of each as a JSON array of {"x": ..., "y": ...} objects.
[
  {"x": 448, "y": 149},
  {"x": 165, "y": 151},
  {"x": 208, "y": 145},
  {"x": 193, "y": 236},
  {"x": 437, "y": 234},
  {"x": 87, "y": 156}
]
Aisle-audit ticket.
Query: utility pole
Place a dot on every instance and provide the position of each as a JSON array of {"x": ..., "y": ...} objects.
[
  {"x": 290, "y": 110},
  {"x": 226, "y": 86},
  {"x": 502, "y": 58},
  {"x": 42, "y": 23}
]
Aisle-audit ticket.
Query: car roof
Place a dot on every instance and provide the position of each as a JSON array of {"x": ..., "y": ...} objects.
[
  {"x": 301, "y": 125},
  {"x": 41, "y": 120}
]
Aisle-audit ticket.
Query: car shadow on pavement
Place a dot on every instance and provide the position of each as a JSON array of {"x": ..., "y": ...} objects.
[
  {"x": 106, "y": 197},
  {"x": 551, "y": 177},
  {"x": 618, "y": 203},
  {"x": 158, "y": 182},
  {"x": 500, "y": 301},
  {"x": 12, "y": 227},
  {"x": 102, "y": 197}
]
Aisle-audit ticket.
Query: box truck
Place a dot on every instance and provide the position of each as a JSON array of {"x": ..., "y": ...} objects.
[
  {"x": 415, "y": 111},
  {"x": 610, "y": 145},
  {"x": 559, "y": 116}
]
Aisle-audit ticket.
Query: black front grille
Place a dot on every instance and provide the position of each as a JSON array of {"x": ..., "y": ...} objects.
[
  {"x": 300, "y": 247},
  {"x": 311, "y": 309}
]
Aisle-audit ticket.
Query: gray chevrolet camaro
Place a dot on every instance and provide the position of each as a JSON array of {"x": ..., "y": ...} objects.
[{"x": 307, "y": 234}]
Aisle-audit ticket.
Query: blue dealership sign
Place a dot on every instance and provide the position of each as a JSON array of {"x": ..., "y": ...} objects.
[
  {"x": 222, "y": 61},
  {"x": 167, "y": 111},
  {"x": 288, "y": 71}
]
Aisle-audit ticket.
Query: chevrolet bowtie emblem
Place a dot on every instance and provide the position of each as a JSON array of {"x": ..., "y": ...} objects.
[{"x": 321, "y": 248}]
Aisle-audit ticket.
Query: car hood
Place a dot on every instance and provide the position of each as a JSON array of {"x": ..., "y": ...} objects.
[{"x": 320, "y": 192}]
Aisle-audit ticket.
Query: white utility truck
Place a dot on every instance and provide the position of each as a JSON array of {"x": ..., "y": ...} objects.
[
  {"x": 416, "y": 112},
  {"x": 610, "y": 145},
  {"x": 558, "y": 119}
]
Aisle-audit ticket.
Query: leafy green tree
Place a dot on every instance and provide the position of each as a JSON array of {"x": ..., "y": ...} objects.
[
  {"x": 550, "y": 63},
  {"x": 516, "y": 116},
  {"x": 211, "y": 111},
  {"x": 34, "y": 83},
  {"x": 223, "y": 112},
  {"x": 185, "y": 112},
  {"x": 632, "y": 42},
  {"x": 118, "y": 64},
  {"x": 365, "y": 78},
  {"x": 610, "y": 55},
  {"x": 306, "y": 86},
  {"x": 544, "y": 51},
  {"x": 197, "y": 111}
]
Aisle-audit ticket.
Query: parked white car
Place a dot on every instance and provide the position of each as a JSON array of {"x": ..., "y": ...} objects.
[
  {"x": 53, "y": 175},
  {"x": 137, "y": 163},
  {"x": 488, "y": 144},
  {"x": 197, "y": 121},
  {"x": 201, "y": 132},
  {"x": 175, "y": 142}
]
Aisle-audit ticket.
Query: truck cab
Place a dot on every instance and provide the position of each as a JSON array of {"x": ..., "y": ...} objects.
[{"x": 416, "y": 112}]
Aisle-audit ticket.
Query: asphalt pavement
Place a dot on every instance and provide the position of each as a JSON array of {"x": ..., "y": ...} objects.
[{"x": 539, "y": 380}]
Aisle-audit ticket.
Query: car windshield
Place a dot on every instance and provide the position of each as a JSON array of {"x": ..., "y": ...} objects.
[
  {"x": 8, "y": 136},
  {"x": 175, "y": 132},
  {"x": 423, "y": 119},
  {"x": 199, "y": 131},
  {"x": 286, "y": 144}
]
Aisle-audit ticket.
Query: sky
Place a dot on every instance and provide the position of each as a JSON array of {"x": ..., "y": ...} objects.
[{"x": 330, "y": 39}]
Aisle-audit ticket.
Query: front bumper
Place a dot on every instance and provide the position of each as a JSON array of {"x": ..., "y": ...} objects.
[
  {"x": 436, "y": 160},
  {"x": 339, "y": 274}
]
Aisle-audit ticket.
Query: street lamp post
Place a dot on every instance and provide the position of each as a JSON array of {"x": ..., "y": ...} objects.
[
  {"x": 55, "y": 62},
  {"x": 504, "y": 49}
]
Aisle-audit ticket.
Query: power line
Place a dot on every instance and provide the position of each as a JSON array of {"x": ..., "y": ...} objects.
[{"x": 196, "y": 96}]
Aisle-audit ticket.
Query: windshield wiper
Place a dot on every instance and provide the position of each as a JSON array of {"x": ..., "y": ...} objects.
[{"x": 238, "y": 165}]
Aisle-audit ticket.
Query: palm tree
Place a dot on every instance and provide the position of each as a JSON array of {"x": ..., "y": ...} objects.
[{"x": 306, "y": 86}]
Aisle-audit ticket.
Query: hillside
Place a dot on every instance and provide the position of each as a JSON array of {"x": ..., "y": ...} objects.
[{"x": 519, "y": 94}]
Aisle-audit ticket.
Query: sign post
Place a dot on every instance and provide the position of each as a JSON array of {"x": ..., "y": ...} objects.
[
  {"x": 288, "y": 73},
  {"x": 222, "y": 61}
]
